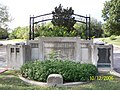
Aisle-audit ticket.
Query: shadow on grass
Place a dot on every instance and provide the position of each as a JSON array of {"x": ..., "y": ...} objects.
[{"x": 12, "y": 81}]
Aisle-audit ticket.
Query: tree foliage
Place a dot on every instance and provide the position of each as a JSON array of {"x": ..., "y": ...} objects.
[
  {"x": 111, "y": 16},
  {"x": 48, "y": 30},
  {"x": 19, "y": 33},
  {"x": 95, "y": 29},
  {"x": 53, "y": 31},
  {"x": 63, "y": 17},
  {"x": 4, "y": 18},
  {"x": 80, "y": 29},
  {"x": 3, "y": 33}
]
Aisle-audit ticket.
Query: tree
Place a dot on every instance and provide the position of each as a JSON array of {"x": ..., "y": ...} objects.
[
  {"x": 80, "y": 29},
  {"x": 48, "y": 30},
  {"x": 111, "y": 16},
  {"x": 3, "y": 33},
  {"x": 63, "y": 17},
  {"x": 4, "y": 18},
  {"x": 20, "y": 33},
  {"x": 95, "y": 29}
]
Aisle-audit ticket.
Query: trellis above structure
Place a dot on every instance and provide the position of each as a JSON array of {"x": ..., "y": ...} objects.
[{"x": 82, "y": 19}]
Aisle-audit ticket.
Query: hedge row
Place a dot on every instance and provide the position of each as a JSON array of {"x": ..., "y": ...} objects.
[{"x": 71, "y": 71}]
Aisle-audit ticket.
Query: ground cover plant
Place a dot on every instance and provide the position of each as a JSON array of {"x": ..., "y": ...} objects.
[{"x": 71, "y": 71}]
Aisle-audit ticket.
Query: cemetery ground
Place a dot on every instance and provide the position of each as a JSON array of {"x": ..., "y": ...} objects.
[{"x": 9, "y": 80}]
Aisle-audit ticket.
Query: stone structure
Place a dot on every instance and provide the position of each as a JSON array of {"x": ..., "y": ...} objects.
[
  {"x": 55, "y": 80},
  {"x": 17, "y": 55},
  {"x": 102, "y": 55},
  {"x": 71, "y": 48}
]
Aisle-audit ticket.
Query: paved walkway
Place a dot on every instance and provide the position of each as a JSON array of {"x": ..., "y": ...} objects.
[
  {"x": 3, "y": 56},
  {"x": 117, "y": 58}
]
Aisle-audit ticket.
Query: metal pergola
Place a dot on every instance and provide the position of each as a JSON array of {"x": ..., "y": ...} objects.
[{"x": 82, "y": 19}]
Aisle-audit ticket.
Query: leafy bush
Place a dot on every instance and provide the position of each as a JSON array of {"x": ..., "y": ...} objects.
[
  {"x": 54, "y": 31},
  {"x": 113, "y": 37},
  {"x": 20, "y": 33},
  {"x": 71, "y": 71}
]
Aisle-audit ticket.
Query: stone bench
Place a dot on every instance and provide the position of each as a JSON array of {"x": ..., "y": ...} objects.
[{"x": 55, "y": 80}]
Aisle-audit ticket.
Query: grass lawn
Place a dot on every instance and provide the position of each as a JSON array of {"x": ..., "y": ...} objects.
[
  {"x": 10, "y": 81},
  {"x": 115, "y": 42}
]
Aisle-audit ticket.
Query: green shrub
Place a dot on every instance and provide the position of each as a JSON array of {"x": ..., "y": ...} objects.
[
  {"x": 113, "y": 37},
  {"x": 71, "y": 71},
  {"x": 55, "y": 31}
]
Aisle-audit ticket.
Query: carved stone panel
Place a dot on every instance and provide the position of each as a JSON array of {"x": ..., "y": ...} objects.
[
  {"x": 64, "y": 50},
  {"x": 104, "y": 55}
]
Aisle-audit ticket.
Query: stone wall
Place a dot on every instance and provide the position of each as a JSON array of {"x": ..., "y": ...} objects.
[{"x": 72, "y": 48}]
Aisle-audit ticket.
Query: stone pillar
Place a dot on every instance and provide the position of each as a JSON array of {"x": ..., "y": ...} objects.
[
  {"x": 78, "y": 50},
  {"x": 17, "y": 55}
]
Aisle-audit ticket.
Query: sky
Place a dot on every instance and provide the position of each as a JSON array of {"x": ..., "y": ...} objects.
[{"x": 20, "y": 10}]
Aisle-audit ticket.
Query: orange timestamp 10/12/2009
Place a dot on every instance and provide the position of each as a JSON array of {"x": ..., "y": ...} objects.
[{"x": 101, "y": 78}]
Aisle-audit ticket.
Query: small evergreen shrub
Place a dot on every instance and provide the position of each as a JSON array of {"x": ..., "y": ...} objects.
[{"x": 71, "y": 71}]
